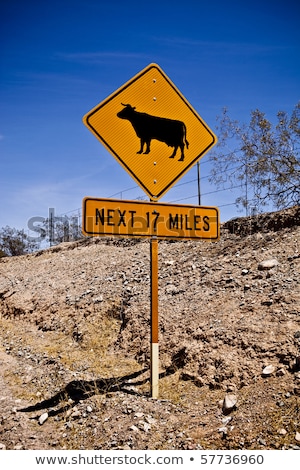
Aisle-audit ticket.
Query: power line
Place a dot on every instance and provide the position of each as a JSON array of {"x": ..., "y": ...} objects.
[
  {"x": 209, "y": 192},
  {"x": 78, "y": 210}
]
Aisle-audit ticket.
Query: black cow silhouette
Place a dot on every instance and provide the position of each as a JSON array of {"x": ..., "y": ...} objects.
[{"x": 148, "y": 127}]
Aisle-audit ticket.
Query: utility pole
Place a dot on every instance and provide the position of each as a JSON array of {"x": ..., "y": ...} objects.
[{"x": 199, "y": 192}]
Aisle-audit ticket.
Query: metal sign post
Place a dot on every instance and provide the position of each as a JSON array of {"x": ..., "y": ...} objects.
[{"x": 154, "y": 363}]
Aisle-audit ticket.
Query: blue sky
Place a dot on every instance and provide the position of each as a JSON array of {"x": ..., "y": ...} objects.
[{"x": 59, "y": 59}]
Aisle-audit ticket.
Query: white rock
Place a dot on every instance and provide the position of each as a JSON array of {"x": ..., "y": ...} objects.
[
  {"x": 297, "y": 436},
  {"x": 134, "y": 428},
  {"x": 150, "y": 420},
  {"x": 267, "y": 264},
  {"x": 268, "y": 370},
  {"x": 223, "y": 429},
  {"x": 282, "y": 431},
  {"x": 43, "y": 418},
  {"x": 229, "y": 402},
  {"x": 227, "y": 420},
  {"x": 145, "y": 426}
]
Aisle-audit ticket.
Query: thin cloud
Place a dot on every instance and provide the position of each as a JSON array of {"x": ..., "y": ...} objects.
[
  {"x": 231, "y": 47},
  {"x": 100, "y": 57}
]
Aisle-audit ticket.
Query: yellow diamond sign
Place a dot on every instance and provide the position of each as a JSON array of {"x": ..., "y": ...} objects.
[{"x": 152, "y": 130}]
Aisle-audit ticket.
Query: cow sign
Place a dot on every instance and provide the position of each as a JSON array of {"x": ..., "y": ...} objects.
[
  {"x": 147, "y": 127},
  {"x": 140, "y": 121}
]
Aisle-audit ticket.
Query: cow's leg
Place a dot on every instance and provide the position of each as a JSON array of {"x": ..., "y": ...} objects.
[
  {"x": 174, "y": 152},
  {"x": 148, "y": 146},
  {"x": 182, "y": 153},
  {"x": 142, "y": 146}
]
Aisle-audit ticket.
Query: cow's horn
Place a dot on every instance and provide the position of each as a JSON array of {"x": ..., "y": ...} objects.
[{"x": 125, "y": 104}]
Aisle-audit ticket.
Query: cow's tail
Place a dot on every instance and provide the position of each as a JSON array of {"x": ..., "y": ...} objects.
[{"x": 184, "y": 136}]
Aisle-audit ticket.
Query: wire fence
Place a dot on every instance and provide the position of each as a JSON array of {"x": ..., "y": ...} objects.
[
  {"x": 67, "y": 226},
  {"x": 196, "y": 191}
]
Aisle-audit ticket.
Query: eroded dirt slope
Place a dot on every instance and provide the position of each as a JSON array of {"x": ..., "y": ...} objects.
[{"x": 75, "y": 326}]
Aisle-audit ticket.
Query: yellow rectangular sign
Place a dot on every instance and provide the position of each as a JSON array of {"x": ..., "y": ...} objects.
[{"x": 112, "y": 217}]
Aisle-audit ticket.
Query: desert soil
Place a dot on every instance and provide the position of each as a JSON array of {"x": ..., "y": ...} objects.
[{"x": 75, "y": 342}]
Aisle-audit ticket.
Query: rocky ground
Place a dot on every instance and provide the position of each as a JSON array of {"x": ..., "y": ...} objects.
[{"x": 75, "y": 340}]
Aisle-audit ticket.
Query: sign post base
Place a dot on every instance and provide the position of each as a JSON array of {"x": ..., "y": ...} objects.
[{"x": 154, "y": 370}]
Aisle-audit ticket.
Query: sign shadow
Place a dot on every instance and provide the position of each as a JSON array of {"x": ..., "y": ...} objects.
[{"x": 78, "y": 390}]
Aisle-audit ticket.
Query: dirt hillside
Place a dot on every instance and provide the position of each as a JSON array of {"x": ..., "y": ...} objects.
[{"x": 75, "y": 341}]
